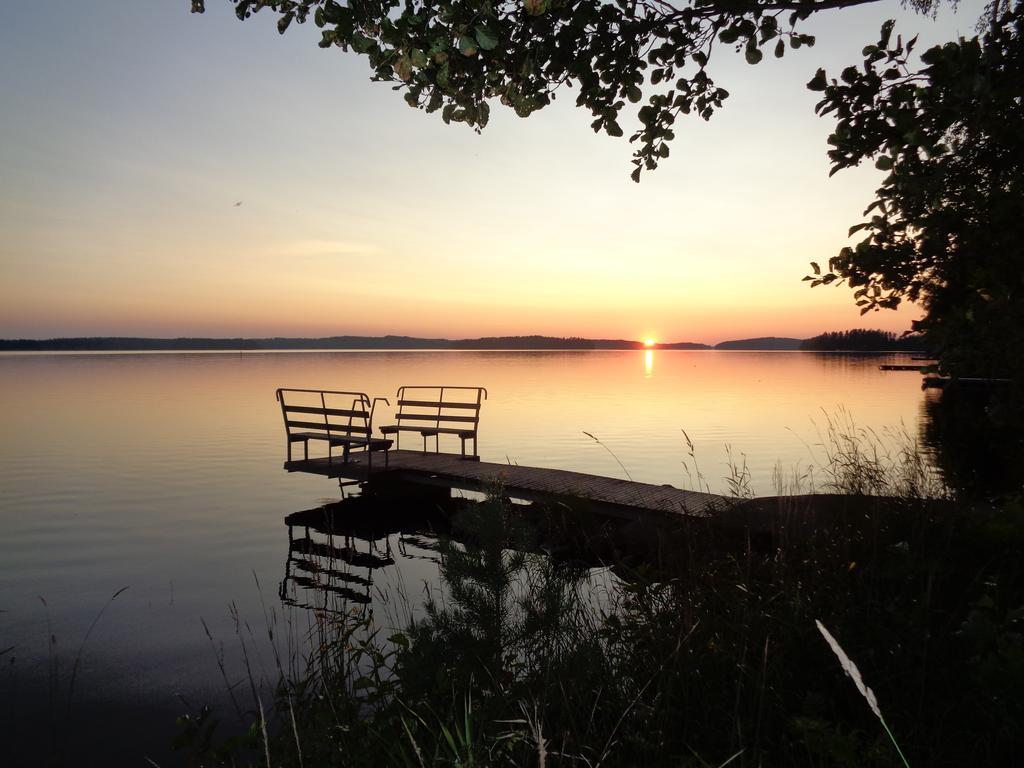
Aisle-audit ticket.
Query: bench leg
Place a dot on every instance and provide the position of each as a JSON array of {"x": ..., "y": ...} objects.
[
  {"x": 305, "y": 449},
  {"x": 289, "y": 451}
]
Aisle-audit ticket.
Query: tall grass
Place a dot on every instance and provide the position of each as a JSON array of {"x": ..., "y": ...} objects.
[{"x": 856, "y": 460}]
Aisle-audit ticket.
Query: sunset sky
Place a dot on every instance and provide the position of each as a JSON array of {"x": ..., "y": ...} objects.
[{"x": 130, "y": 129}]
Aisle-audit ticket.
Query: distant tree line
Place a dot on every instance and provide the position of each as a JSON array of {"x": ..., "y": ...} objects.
[
  {"x": 762, "y": 343},
  {"x": 112, "y": 343},
  {"x": 522, "y": 342},
  {"x": 864, "y": 340}
]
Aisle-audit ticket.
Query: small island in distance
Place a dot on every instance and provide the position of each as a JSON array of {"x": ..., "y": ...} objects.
[{"x": 854, "y": 340}]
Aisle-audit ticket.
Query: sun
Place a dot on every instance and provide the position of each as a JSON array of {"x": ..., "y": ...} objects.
[{"x": 649, "y": 342}]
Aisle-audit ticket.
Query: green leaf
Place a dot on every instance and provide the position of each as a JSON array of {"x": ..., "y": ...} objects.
[
  {"x": 753, "y": 55},
  {"x": 403, "y": 68},
  {"x": 488, "y": 40},
  {"x": 780, "y": 49},
  {"x": 361, "y": 43},
  {"x": 400, "y": 638},
  {"x": 467, "y": 46},
  {"x": 729, "y": 35},
  {"x": 883, "y": 40},
  {"x": 334, "y": 13},
  {"x": 818, "y": 82}
]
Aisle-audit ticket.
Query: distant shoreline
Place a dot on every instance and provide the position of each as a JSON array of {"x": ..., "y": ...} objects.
[
  {"x": 396, "y": 343},
  {"x": 369, "y": 343}
]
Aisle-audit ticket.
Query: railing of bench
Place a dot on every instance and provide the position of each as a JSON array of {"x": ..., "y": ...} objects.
[
  {"x": 356, "y": 429},
  {"x": 358, "y": 398}
]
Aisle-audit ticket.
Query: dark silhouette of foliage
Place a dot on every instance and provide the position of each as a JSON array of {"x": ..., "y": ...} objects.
[
  {"x": 863, "y": 340},
  {"x": 974, "y": 435},
  {"x": 946, "y": 229},
  {"x": 704, "y": 653},
  {"x": 455, "y": 56}
]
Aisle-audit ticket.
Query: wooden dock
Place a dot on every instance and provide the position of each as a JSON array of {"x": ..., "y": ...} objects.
[{"x": 515, "y": 481}]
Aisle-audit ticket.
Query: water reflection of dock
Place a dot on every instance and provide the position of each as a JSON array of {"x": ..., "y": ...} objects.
[
  {"x": 448, "y": 471},
  {"x": 334, "y": 551},
  {"x": 339, "y": 551}
]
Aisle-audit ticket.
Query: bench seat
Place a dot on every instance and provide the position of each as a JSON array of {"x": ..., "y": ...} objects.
[
  {"x": 376, "y": 442},
  {"x": 428, "y": 431},
  {"x": 370, "y": 444},
  {"x": 435, "y": 411}
]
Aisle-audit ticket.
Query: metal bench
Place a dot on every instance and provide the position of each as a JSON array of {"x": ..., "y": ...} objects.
[
  {"x": 433, "y": 411},
  {"x": 337, "y": 418}
]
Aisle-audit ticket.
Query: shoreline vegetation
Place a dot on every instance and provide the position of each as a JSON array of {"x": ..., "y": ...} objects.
[
  {"x": 856, "y": 340},
  {"x": 876, "y": 625}
]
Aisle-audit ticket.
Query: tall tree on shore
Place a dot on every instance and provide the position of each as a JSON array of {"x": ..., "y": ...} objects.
[{"x": 946, "y": 228}]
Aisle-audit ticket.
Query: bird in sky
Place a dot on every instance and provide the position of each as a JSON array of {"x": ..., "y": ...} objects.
[{"x": 238, "y": 203}]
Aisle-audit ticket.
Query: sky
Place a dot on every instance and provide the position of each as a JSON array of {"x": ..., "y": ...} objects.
[{"x": 130, "y": 130}]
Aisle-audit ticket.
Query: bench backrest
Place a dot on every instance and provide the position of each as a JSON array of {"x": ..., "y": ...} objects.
[
  {"x": 327, "y": 411},
  {"x": 439, "y": 407}
]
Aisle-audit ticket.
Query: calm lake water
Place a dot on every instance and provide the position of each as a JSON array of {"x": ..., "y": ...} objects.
[{"x": 163, "y": 473}]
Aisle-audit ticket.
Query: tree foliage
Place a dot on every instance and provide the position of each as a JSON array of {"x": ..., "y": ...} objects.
[
  {"x": 863, "y": 340},
  {"x": 946, "y": 228},
  {"x": 456, "y": 57}
]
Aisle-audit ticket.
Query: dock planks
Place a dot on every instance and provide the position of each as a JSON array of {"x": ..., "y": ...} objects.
[{"x": 529, "y": 483}]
